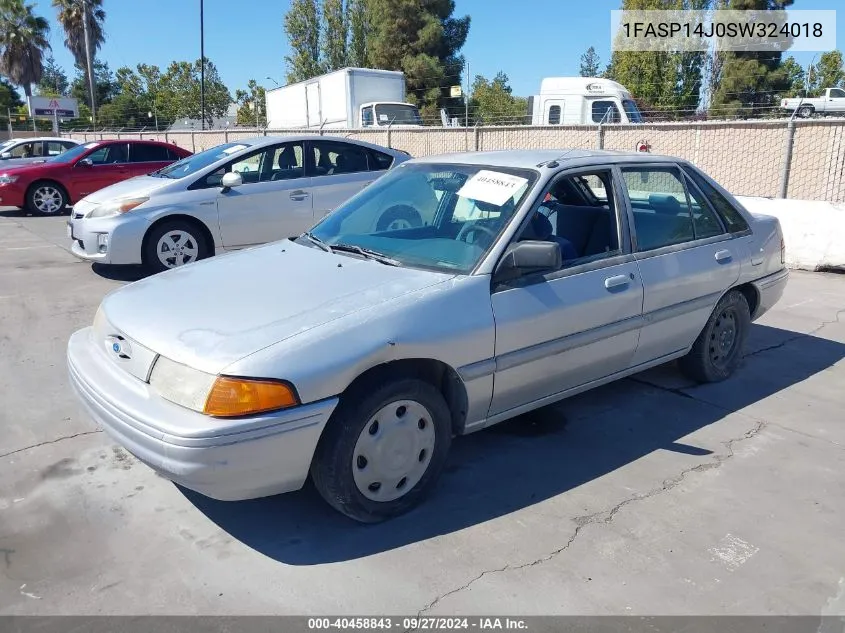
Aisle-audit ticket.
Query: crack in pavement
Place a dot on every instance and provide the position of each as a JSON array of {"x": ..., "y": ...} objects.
[
  {"x": 56, "y": 441},
  {"x": 798, "y": 336},
  {"x": 604, "y": 517}
]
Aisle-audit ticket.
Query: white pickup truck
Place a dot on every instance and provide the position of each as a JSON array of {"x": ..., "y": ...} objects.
[{"x": 833, "y": 102}]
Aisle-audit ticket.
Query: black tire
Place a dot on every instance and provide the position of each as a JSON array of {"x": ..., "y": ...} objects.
[
  {"x": 806, "y": 111},
  {"x": 332, "y": 466},
  {"x": 197, "y": 240},
  {"x": 401, "y": 213},
  {"x": 716, "y": 352},
  {"x": 43, "y": 190}
]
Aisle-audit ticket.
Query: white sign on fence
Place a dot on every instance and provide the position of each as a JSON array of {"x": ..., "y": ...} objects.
[{"x": 53, "y": 106}]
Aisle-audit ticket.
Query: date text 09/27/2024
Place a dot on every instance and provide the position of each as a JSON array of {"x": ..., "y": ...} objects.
[{"x": 417, "y": 623}]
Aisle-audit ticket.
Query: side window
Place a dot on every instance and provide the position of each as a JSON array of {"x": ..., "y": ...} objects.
[
  {"x": 332, "y": 158},
  {"x": 605, "y": 112},
  {"x": 144, "y": 153},
  {"x": 54, "y": 148},
  {"x": 554, "y": 115},
  {"x": 586, "y": 229},
  {"x": 730, "y": 216},
  {"x": 248, "y": 166},
  {"x": 380, "y": 161},
  {"x": 286, "y": 162},
  {"x": 99, "y": 156},
  {"x": 837, "y": 93},
  {"x": 171, "y": 155},
  {"x": 24, "y": 150},
  {"x": 367, "y": 116},
  {"x": 705, "y": 222},
  {"x": 661, "y": 213},
  {"x": 110, "y": 154}
]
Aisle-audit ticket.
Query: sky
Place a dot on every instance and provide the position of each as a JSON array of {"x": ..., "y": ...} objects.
[{"x": 527, "y": 39}]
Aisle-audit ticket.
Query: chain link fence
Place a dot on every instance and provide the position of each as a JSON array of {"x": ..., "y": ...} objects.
[{"x": 795, "y": 159}]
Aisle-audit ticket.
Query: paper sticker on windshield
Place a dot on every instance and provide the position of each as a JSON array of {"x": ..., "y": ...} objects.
[
  {"x": 382, "y": 117},
  {"x": 232, "y": 150},
  {"x": 492, "y": 187}
]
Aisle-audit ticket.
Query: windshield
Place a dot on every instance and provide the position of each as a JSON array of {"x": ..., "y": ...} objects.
[
  {"x": 397, "y": 114},
  {"x": 440, "y": 217},
  {"x": 632, "y": 111},
  {"x": 196, "y": 162},
  {"x": 72, "y": 154}
]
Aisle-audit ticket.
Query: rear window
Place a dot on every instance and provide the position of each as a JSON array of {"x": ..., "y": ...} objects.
[
  {"x": 730, "y": 216},
  {"x": 143, "y": 153},
  {"x": 379, "y": 161}
]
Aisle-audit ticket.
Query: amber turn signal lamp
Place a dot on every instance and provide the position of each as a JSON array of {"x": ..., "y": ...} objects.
[{"x": 232, "y": 397}]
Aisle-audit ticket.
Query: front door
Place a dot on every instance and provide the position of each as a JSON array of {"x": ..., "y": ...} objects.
[
  {"x": 558, "y": 330},
  {"x": 274, "y": 202},
  {"x": 686, "y": 257},
  {"x": 338, "y": 171},
  {"x": 110, "y": 164}
]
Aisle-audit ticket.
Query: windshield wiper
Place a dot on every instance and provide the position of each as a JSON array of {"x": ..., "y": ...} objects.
[
  {"x": 316, "y": 240},
  {"x": 366, "y": 253}
]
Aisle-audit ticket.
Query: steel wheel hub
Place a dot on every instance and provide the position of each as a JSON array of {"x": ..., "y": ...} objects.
[
  {"x": 176, "y": 248},
  {"x": 723, "y": 338},
  {"x": 393, "y": 450},
  {"x": 47, "y": 199}
]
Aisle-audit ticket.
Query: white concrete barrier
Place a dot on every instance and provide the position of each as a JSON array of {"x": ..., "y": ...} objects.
[{"x": 814, "y": 231}]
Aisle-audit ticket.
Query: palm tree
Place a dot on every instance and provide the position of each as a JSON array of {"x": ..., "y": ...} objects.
[
  {"x": 23, "y": 40},
  {"x": 70, "y": 17}
]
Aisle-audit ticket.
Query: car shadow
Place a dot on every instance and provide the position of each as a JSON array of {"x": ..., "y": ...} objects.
[
  {"x": 531, "y": 458},
  {"x": 120, "y": 273}
]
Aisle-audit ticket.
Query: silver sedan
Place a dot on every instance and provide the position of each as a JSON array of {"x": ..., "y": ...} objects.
[
  {"x": 356, "y": 353},
  {"x": 228, "y": 197}
]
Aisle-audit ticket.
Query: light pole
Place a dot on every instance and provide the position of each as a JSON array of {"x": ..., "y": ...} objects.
[
  {"x": 88, "y": 64},
  {"x": 202, "y": 65},
  {"x": 275, "y": 82}
]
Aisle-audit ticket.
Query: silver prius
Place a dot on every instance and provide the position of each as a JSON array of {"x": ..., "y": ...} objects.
[
  {"x": 228, "y": 197},
  {"x": 355, "y": 353}
]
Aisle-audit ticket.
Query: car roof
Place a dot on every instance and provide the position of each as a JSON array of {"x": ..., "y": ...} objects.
[
  {"x": 261, "y": 141},
  {"x": 41, "y": 138},
  {"x": 533, "y": 158}
]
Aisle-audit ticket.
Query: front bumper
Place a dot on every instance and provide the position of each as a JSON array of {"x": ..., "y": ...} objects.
[
  {"x": 227, "y": 460},
  {"x": 124, "y": 238},
  {"x": 13, "y": 195},
  {"x": 769, "y": 289}
]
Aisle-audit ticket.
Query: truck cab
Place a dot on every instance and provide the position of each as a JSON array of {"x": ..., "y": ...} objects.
[
  {"x": 389, "y": 113},
  {"x": 582, "y": 101}
]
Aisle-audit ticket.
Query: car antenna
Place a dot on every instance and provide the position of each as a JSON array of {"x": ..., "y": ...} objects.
[{"x": 551, "y": 164}]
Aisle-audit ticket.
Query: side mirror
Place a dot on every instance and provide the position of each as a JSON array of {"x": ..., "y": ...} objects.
[
  {"x": 5, "y": 155},
  {"x": 232, "y": 179},
  {"x": 85, "y": 162},
  {"x": 528, "y": 256}
]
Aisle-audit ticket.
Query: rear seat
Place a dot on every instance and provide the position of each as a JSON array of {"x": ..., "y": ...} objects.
[{"x": 588, "y": 228}]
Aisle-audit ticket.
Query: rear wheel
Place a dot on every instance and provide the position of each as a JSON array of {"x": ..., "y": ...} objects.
[
  {"x": 173, "y": 244},
  {"x": 46, "y": 198},
  {"x": 381, "y": 453},
  {"x": 805, "y": 111},
  {"x": 718, "y": 349}
]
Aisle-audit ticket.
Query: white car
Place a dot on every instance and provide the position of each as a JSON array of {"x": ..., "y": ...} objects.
[{"x": 231, "y": 196}]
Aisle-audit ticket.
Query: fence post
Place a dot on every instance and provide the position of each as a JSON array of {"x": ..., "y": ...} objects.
[
  {"x": 166, "y": 139},
  {"x": 389, "y": 137},
  {"x": 600, "y": 137},
  {"x": 193, "y": 143},
  {"x": 226, "y": 135},
  {"x": 787, "y": 159},
  {"x": 477, "y": 141}
]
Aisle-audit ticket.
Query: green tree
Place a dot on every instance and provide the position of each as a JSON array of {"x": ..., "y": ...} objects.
[
  {"x": 795, "y": 77},
  {"x": 70, "y": 16},
  {"x": 492, "y": 102},
  {"x": 54, "y": 81},
  {"x": 302, "y": 26},
  {"x": 104, "y": 83},
  {"x": 178, "y": 92},
  {"x": 252, "y": 105},
  {"x": 23, "y": 40},
  {"x": 422, "y": 39},
  {"x": 590, "y": 63},
  {"x": 334, "y": 35},
  {"x": 358, "y": 21},
  {"x": 828, "y": 72},
  {"x": 749, "y": 83},
  {"x": 9, "y": 97}
]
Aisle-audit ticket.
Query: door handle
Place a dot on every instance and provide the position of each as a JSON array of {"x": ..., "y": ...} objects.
[
  {"x": 619, "y": 281},
  {"x": 298, "y": 195},
  {"x": 723, "y": 256}
]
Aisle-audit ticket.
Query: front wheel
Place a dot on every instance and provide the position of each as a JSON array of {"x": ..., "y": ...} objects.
[
  {"x": 46, "y": 198},
  {"x": 381, "y": 453},
  {"x": 173, "y": 244},
  {"x": 717, "y": 351}
]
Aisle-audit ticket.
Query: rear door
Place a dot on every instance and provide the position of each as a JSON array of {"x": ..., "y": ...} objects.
[
  {"x": 338, "y": 171},
  {"x": 686, "y": 257},
  {"x": 274, "y": 202},
  {"x": 110, "y": 164}
]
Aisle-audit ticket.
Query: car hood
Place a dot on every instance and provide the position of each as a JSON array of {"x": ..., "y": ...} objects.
[
  {"x": 131, "y": 188},
  {"x": 212, "y": 313}
]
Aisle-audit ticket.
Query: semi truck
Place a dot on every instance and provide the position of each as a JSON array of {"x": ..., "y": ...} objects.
[
  {"x": 582, "y": 101},
  {"x": 346, "y": 98}
]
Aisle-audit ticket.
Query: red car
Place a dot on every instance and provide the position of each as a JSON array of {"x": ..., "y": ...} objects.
[{"x": 50, "y": 186}]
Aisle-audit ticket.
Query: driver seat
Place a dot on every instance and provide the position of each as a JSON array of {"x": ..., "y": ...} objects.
[{"x": 540, "y": 229}]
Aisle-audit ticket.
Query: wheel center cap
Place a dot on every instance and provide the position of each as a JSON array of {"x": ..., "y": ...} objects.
[{"x": 397, "y": 449}]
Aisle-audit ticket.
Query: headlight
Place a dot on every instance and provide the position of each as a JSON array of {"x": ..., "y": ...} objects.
[
  {"x": 116, "y": 207},
  {"x": 6, "y": 179},
  {"x": 219, "y": 396}
]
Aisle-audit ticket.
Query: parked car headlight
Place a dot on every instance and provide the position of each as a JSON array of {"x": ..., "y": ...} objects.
[
  {"x": 116, "y": 207},
  {"x": 219, "y": 396},
  {"x": 6, "y": 179}
]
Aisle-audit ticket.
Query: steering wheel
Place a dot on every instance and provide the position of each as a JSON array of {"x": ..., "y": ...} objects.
[{"x": 473, "y": 227}]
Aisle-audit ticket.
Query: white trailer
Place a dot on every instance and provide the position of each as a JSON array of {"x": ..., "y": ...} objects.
[
  {"x": 582, "y": 101},
  {"x": 346, "y": 98}
]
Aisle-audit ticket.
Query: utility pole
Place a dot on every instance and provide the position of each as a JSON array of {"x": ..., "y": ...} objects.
[
  {"x": 202, "y": 65},
  {"x": 466, "y": 100},
  {"x": 88, "y": 63}
]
